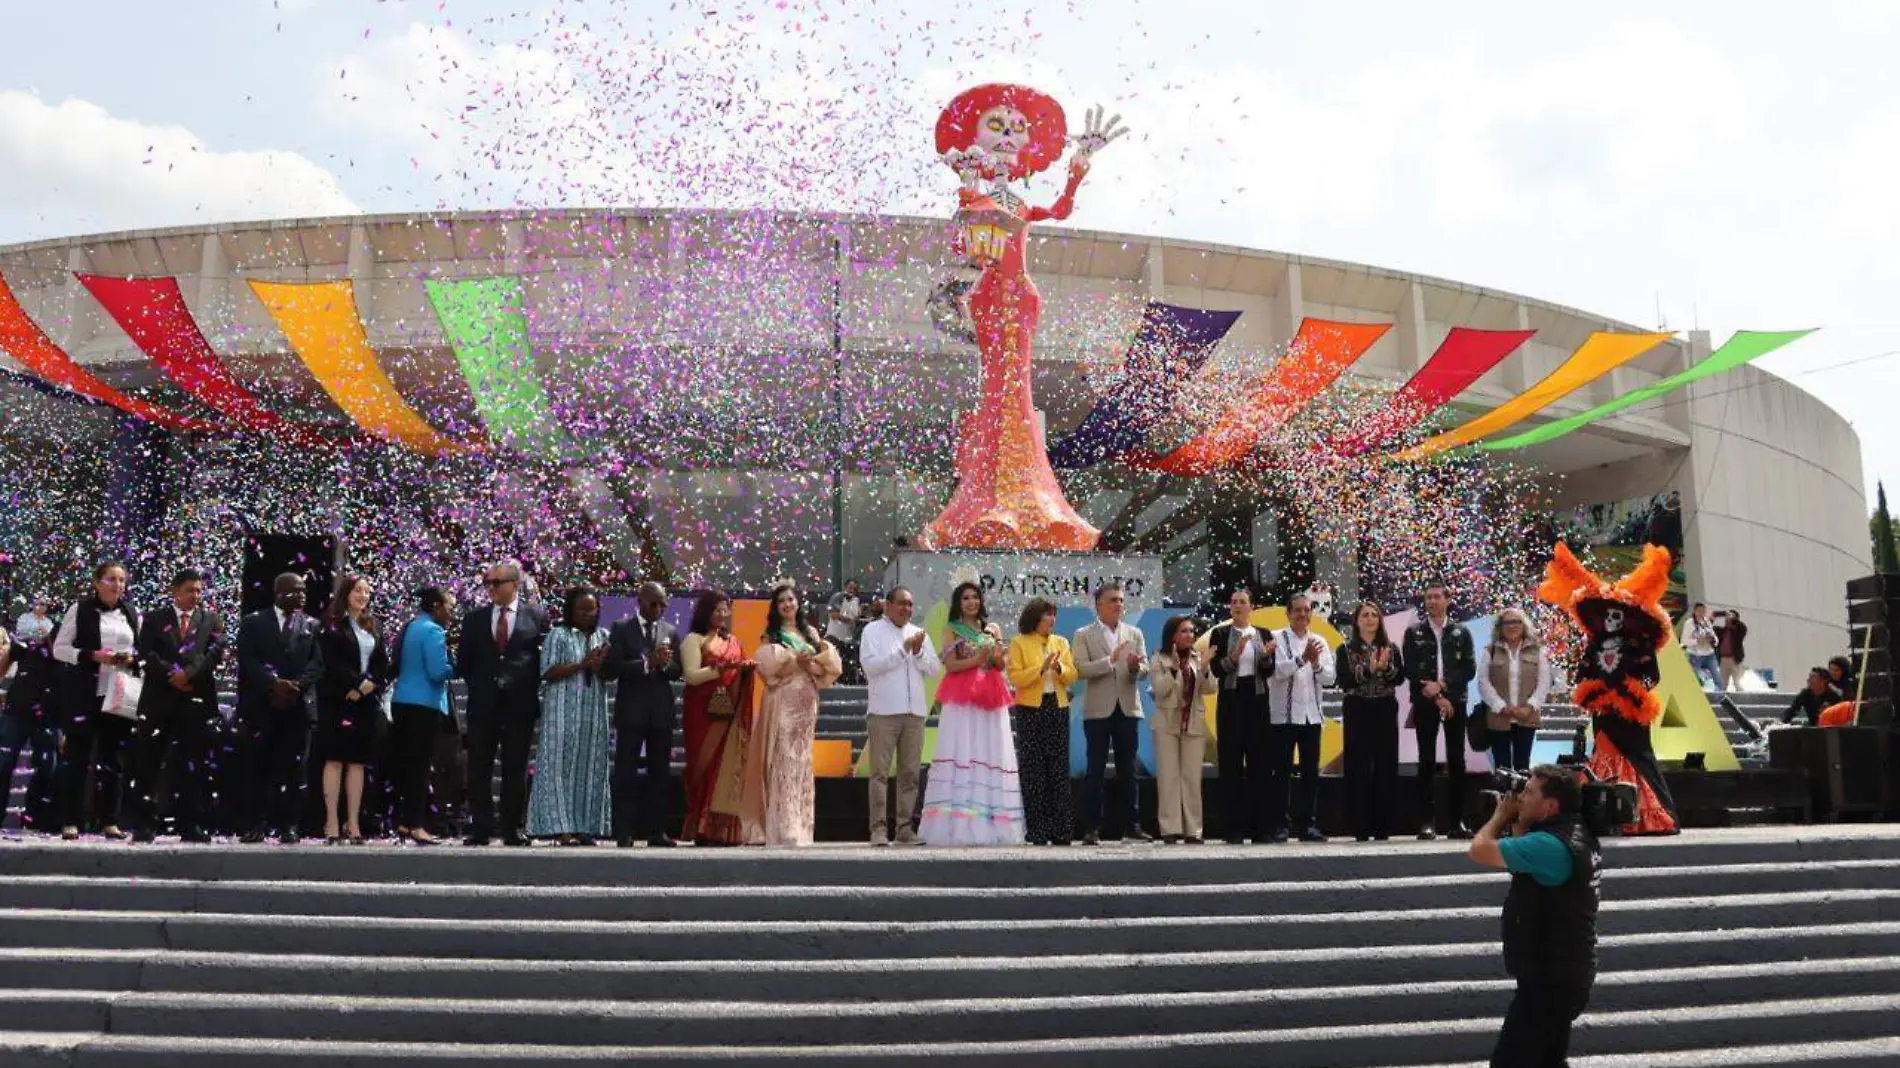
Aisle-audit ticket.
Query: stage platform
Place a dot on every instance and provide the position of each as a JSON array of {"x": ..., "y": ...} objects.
[{"x": 1748, "y": 947}]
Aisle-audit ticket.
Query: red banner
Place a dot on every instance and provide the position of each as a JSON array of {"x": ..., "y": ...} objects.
[
  {"x": 22, "y": 339},
  {"x": 1462, "y": 359},
  {"x": 152, "y": 312}
]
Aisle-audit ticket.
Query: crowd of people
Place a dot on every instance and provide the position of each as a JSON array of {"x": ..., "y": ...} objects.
[{"x": 121, "y": 717}]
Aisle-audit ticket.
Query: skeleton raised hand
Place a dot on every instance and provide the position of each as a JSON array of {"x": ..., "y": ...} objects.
[{"x": 1097, "y": 133}]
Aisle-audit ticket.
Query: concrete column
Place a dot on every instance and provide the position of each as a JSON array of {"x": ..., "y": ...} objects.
[
  {"x": 1409, "y": 331},
  {"x": 1290, "y": 307},
  {"x": 213, "y": 302},
  {"x": 1157, "y": 272},
  {"x": 359, "y": 266},
  {"x": 1517, "y": 372},
  {"x": 1678, "y": 412}
]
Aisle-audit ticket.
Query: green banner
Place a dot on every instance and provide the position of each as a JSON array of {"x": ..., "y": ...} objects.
[
  {"x": 489, "y": 332},
  {"x": 1746, "y": 345}
]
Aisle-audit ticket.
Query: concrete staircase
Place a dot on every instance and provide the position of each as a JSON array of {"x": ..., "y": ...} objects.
[{"x": 1771, "y": 946}]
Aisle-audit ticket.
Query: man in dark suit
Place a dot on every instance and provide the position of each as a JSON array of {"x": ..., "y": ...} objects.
[
  {"x": 175, "y": 738},
  {"x": 641, "y": 654},
  {"x": 278, "y": 668},
  {"x": 1439, "y": 666},
  {"x": 499, "y": 657}
]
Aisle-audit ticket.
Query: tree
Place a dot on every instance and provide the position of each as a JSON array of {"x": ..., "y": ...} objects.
[{"x": 1886, "y": 549}]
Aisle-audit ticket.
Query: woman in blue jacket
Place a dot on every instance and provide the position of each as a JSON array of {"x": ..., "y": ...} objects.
[{"x": 419, "y": 706}]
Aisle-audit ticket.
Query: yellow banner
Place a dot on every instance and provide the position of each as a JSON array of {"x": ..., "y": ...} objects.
[
  {"x": 1596, "y": 357},
  {"x": 321, "y": 321}
]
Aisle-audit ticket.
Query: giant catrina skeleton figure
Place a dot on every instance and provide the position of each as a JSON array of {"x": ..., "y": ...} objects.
[
  {"x": 1007, "y": 496},
  {"x": 1624, "y": 625}
]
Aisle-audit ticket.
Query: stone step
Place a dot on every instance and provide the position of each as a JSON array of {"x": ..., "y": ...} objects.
[
  {"x": 892, "y": 903},
  {"x": 862, "y": 939},
  {"x": 1639, "y": 1032},
  {"x": 852, "y": 867},
  {"x": 893, "y": 979}
]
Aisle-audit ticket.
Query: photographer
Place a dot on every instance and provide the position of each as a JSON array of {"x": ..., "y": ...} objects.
[{"x": 1550, "y": 915}]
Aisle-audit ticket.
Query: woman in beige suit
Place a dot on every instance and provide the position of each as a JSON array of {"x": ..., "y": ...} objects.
[{"x": 1181, "y": 683}]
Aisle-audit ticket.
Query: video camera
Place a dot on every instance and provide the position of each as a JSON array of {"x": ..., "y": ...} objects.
[{"x": 1608, "y": 805}]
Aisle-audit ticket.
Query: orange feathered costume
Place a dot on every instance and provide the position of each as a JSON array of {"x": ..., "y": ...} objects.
[{"x": 1616, "y": 679}]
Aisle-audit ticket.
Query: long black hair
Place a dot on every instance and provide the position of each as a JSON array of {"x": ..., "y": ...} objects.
[
  {"x": 956, "y": 604},
  {"x": 703, "y": 611},
  {"x": 773, "y": 628},
  {"x": 1379, "y": 636}
]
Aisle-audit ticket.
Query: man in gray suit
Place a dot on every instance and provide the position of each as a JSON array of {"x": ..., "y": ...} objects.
[
  {"x": 641, "y": 654},
  {"x": 1111, "y": 655}
]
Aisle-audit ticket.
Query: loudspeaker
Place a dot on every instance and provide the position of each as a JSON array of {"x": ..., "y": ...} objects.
[
  {"x": 1846, "y": 766},
  {"x": 1874, "y": 586}
]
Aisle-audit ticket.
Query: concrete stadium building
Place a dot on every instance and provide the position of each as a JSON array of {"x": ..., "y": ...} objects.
[{"x": 801, "y": 351}]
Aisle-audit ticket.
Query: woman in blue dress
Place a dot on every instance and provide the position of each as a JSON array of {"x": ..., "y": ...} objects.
[{"x": 573, "y": 769}]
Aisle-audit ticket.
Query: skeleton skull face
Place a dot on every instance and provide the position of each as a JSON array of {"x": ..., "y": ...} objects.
[
  {"x": 1002, "y": 132},
  {"x": 1612, "y": 620}
]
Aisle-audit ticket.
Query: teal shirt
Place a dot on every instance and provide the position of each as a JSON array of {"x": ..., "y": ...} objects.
[{"x": 1540, "y": 855}]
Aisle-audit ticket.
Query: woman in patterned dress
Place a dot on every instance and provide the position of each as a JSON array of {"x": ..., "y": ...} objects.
[
  {"x": 975, "y": 795},
  {"x": 1042, "y": 670},
  {"x": 794, "y": 663},
  {"x": 573, "y": 772}
]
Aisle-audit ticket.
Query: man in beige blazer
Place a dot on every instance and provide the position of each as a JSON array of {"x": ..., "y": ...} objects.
[{"x": 1111, "y": 655}]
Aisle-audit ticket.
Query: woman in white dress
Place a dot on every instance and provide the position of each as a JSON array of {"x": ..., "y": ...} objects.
[{"x": 975, "y": 796}]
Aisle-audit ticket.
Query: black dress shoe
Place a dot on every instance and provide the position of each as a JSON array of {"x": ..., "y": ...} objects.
[
  {"x": 194, "y": 836},
  {"x": 477, "y": 840},
  {"x": 252, "y": 837},
  {"x": 144, "y": 834},
  {"x": 289, "y": 838},
  {"x": 1312, "y": 834},
  {"x": 1461, "y": 832},
  {"x": 517, "y": 841},
  {"x": 660, "y": 841},
  {"x": 1427, "y": 834},
  {"x": 1139, "y": 835},
  {"x": 1278, "y": 837},
  {"x": 625, "y": 841},
  {"x": 1171, "y": 839},
  {"x": 1092, "y": 838}
]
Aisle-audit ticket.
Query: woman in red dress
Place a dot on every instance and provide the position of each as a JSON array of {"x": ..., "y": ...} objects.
[
  {"x": 1007, "y": 495},
  {"x": 717, "y": 717}
]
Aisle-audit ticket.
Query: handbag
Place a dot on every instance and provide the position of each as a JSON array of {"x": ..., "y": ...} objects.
[
  {"x": 123, "y": 690},
  {"x": 721, "y": 705},
  {"x": 1478, "y": 733}
]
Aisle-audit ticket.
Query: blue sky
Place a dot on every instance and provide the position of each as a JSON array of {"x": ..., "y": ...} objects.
[{"x": 1731, "y": 163}]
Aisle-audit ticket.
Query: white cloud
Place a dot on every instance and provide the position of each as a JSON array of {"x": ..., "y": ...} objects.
[{"x": 72, "y": 167}]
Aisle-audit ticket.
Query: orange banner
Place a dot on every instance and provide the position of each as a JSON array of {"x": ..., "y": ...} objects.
[
  {"x": 1600, "y": 354},
  {"x": 322, "y": 323},
  {"x": 22, "y": 339},
  {"x": 1319, "y": 353}
]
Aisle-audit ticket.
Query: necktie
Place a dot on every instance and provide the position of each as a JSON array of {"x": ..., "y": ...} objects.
[
  {"x": 501, "y": 629},
  {"x": 650, "y": 648},
  {"x": 184, "y": 627},
  {"x": 288, "y": 617}
]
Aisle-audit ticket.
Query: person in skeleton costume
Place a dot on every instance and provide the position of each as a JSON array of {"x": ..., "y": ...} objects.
[
  {"x": 1007, "y": 495},
  {"x": 1624, "y": 626}
]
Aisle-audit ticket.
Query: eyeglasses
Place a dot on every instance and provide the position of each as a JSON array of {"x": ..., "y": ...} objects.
[{"x": 492, "y": 583}]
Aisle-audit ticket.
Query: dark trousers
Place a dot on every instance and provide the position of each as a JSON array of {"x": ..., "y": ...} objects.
[
  {"x": 1536, "y": 1031},
  {"x": 1427, "y": 725},
  {"x": 640, "y": 804},
  {"x": 1123, "y": 731},
  {"x": 1042, "y": 756},
  {"x": 173, "y": 753},
  {"x": 17, "y": 733},
  {"x": 275, "y": 746},
  {"x": 1511, "y": 748},
  {"x": 411, "y": 753},
  {"x": 1372, "y": 764},
  {"x": 1285, "y": 738},
  {"x": 95, "y": 742},
  {"x": 510, "y": 736},
  {"x": 1242, "y": 754}
]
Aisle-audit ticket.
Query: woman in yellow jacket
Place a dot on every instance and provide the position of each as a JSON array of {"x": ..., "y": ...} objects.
[{"x": 1041, "y": 670}]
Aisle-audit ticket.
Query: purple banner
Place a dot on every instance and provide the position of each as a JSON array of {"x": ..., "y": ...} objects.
[{"x": 1169, "y": 347}]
